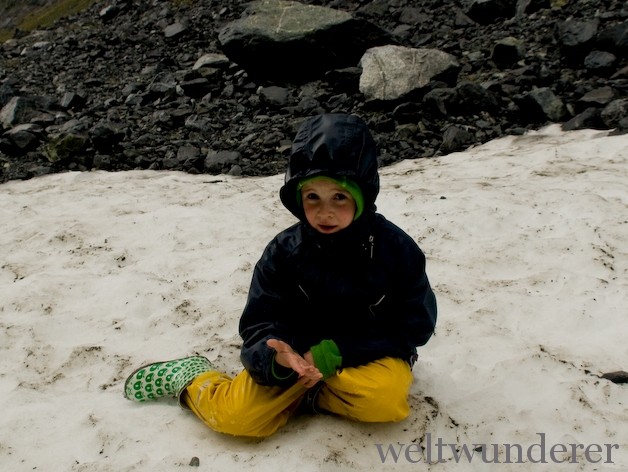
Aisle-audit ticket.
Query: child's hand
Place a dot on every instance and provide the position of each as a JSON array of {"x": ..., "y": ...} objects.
[{"x": 308, "y": 374}]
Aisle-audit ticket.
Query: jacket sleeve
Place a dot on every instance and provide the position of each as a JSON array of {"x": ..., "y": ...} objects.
[
  {"x": 261, "y": 321},
  {"x": 405, "y": 318}
]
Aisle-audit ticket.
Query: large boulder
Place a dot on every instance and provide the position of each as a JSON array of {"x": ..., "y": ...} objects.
[
  {"x": 284, "y": 40},
  {"x": 392, "y": 72}
]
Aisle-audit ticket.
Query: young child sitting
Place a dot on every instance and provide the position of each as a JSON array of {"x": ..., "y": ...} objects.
[{"x": 337, "y": 306}]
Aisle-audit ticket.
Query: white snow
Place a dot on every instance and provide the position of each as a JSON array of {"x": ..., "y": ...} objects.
[{"x": 527, "y": 246}]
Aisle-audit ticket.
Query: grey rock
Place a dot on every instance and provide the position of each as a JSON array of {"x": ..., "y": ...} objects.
[
  {"x": 217, "y": 161},
  {"x": 65, "y": 146},
  {"x": 72, "y": 100},
  {"x": 615, "y": 38},
  {"x": 615, "y": 114},
  {"x": 590, "y": 118},
  {"x": 507, "y": 51},
  {"x": 574, "y": 33},
  {"x": 618, "y": 377},
  {"x": 175, "y": 30},
  {"x": 543, "y": 105},
  {"x": 275, "y": 96},
  {"x": 599, "y": 97},
  {"x": 19, "y": 110},
  {"x": 489, "y": 11},
  {"x": 24, "y": 137},
  {"x": 391, "y": 72},
  {"x": 455, "y": 138},
  {"x": 212, "y": 60},
  {"x": 599, "y": 60}
]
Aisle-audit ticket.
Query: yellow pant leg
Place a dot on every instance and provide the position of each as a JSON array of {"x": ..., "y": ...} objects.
[
  {"x": 375, "y": 392},
  {"x": 240, "y": 406}
]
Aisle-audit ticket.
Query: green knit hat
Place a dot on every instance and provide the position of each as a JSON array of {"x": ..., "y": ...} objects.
[{"x": 347, "y": 184}]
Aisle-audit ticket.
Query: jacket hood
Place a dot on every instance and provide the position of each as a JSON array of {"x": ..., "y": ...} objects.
[{"x": 335, "y": 145}]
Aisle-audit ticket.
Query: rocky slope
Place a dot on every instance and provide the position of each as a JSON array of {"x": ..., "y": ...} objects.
[{"x": 116, "y": 87}]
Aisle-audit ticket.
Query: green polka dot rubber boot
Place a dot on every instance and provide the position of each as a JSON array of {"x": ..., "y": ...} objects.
[{"x": 165, "y": 379}]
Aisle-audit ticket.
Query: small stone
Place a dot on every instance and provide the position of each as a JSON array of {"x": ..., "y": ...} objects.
[
  {"x": 618, "y": 377},
  {"x": 195, "y": 462}
]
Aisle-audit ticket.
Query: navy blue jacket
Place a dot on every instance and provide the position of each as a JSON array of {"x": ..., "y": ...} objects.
[{"x": 368, "y": 292}]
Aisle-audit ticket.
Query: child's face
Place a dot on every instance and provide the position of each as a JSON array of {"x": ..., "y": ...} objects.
[{"x": 328, "y": 207}]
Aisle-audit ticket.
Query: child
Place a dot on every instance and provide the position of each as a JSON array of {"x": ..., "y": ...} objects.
[{"x": 338, "y": 303}]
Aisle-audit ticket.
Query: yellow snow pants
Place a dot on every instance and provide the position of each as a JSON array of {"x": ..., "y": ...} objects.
[{"x": 375, "y": 392}]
